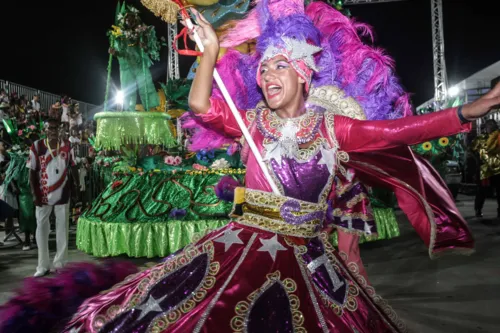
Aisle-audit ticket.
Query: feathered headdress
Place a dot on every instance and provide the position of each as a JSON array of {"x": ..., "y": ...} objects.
[{"x": 362, "y": 71}]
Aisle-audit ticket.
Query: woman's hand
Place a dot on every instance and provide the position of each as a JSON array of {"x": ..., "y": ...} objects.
[
  {"x": 206, "y": 32},
  {"x": 201, "y": 88},
  {"x": 483, "y": 105}
]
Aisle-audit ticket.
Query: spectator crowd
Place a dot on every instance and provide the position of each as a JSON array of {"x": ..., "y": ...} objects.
[{"x": 23, "y": 122}]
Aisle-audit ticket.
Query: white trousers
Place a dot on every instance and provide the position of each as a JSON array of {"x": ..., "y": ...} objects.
[{"x": 42, "y": 235}]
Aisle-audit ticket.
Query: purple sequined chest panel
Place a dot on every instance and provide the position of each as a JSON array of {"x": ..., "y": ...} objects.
[{"x": 303, "y": 181}]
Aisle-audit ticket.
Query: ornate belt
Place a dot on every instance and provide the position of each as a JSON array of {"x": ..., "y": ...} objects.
[{"x": 280, "y": 214}]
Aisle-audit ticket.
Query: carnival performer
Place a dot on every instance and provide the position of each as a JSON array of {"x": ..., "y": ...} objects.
[
  {"x": 371, "y": 201},
  {"x": 270, "y": 269},
  {"x": 52, "y": 167},
  {"x": 17, "y": 177},
  {"x": 486, "y": 149},
  {"x": 8, "y": 192},
  {"x": 135, "y": 45}
]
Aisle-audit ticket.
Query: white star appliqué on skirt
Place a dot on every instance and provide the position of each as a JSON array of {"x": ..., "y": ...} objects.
[
  {"x": 229, "y": 238},
  {"x": 151, "y": 305},
  {"x": 272, "y": 246}
]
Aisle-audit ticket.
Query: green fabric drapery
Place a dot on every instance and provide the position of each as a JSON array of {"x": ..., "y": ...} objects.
[
  {"x": 148, "y": 239},
  {"x": 115, "y": 129},
  {"x": 153, "y": 214}
]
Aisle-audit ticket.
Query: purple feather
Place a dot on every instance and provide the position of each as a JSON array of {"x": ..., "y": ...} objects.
[
  {"x": 44, "y": 304},
  {"x": 225, "y": 188},
  {"x": 363, "y": 72}
]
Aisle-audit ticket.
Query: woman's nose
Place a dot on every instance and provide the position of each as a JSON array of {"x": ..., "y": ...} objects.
[{"x": 268, "y": 75}]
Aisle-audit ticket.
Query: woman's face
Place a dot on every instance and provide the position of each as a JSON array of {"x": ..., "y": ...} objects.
[{"x": 280, "y": 83}]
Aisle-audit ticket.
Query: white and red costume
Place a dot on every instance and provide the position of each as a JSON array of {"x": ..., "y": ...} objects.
[{"x": 53, "y": 168}]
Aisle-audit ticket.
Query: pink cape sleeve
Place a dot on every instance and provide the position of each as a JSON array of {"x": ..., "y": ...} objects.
[
  {"x": 220, "y": 118},
  {"x": 365, "y": 136}
]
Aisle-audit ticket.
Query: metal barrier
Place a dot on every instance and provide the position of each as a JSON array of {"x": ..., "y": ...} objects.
[
  {"x": 47, "y": 99},
  {"x": 81, "y": 149}
]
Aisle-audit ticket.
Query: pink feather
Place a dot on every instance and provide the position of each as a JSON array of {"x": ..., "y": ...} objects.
[{"x": 203, "y": 138}]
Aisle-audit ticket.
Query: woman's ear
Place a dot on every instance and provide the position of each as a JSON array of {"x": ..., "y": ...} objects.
[{"x": 301, "y": 80}]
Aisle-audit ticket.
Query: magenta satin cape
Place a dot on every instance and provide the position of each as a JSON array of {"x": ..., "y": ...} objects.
[{"x": 421, "y": 192}]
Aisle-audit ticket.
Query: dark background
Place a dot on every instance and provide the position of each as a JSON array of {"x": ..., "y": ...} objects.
[{"x": 61, "y": 46}]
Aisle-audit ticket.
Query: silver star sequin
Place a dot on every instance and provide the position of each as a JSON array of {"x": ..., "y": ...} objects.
[
  {"x": 329, "y": 157},
  {"x": 273, "y": 151},
  {"x": 272, "y": 246},
  {"x": 151, "y": 304},
  {"x": 229, "y": 238},
  {"x": 367, "y": 228},
  {"x": 301, "y": 50},
  {"x": 296, "y": 50}
]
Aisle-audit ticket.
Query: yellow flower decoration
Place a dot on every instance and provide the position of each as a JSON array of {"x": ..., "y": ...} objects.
[
  {"x": 443, "y": 142},
  {"x": 427, "y": 146},
  {"x": 116, "y": 31}
]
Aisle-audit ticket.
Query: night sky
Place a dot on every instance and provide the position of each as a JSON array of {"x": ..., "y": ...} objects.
[{"x": 61, "y": 46}]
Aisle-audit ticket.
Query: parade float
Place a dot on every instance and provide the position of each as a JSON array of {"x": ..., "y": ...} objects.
[
  {"x": 156, "y": 194},
  {"x": 165, "y": 176}
]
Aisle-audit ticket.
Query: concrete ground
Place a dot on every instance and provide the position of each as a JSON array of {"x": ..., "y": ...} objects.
[{"x": 453, "y": 294}]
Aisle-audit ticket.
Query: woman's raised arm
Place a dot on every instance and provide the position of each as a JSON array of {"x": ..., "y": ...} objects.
[
  {"x": 358, "y": 135},
  {"x": 201, "y": 89}
]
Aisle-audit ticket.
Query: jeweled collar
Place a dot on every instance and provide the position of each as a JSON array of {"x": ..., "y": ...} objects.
[{"x": 272, "y": 126}]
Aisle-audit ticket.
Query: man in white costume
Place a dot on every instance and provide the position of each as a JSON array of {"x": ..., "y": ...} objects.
[{"x": 53, "y": 170}]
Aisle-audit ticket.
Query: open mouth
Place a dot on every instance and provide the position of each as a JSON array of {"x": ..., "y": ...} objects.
[{"x": 273, "y": 90}]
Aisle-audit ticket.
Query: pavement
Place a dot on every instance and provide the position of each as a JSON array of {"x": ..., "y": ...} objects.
[{"x": 452, "y": 294}]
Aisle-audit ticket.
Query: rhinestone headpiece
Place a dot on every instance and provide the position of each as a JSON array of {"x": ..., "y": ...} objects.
[
  {"x": 294, "y": 50},
  {"x": 300, "y": 55}
]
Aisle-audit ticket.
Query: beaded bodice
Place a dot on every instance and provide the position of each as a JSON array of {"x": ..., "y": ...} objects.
[{"x": 299, "y": 172}]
